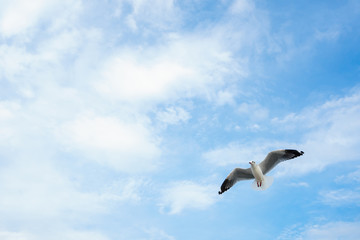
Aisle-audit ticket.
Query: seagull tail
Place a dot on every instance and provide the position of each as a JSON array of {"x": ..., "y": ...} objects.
[{"x": 268, "y": 180}]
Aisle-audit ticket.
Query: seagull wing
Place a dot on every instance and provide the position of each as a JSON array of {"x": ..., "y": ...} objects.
[
  {"x": 275, "y": 157},
  {"x": 236, "y": 175}
]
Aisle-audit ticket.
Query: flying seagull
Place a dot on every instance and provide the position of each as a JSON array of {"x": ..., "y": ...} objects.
[{"x": 258, "y": 172}]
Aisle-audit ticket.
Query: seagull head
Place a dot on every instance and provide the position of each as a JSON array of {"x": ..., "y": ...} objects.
[{"x": 252, "y": 163}]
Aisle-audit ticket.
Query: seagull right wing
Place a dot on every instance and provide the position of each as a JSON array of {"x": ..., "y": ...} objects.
[
  {"x": 236, "y": 175},
  {"x": 275, "y": 157}
]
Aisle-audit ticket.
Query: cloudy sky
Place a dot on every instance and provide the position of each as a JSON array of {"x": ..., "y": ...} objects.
[{"x": 120, "y": 119}]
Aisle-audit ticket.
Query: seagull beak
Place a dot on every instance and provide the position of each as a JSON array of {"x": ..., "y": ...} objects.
[{"x": 250, "y": 163}]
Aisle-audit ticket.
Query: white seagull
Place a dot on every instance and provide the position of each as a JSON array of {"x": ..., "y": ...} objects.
[{"x": 258, "y": 172}]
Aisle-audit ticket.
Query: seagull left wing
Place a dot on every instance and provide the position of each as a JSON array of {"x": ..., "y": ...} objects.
[
  {"x": 236, "y": 175},
  {"x": 275, "y": 157}
]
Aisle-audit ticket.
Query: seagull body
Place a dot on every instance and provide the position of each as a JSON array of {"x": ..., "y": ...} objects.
[{"x": 258, "y": 171}]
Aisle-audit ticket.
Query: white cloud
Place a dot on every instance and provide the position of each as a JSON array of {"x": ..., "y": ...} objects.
[
  {"x": 240, "y": 154},
  {"x": 332, "y": 231},
  {"x": 331, "y": 34},
  {"x": 340, "y": 197},
  {"x": 299, "y": 184},
  {"x": 173, "y": 115},
  {"x": 158, "y": 14},
  {"x": 125, "y": 190},
  {"x": 350, "y": 177},
  {"x": 20, "y": 15},
  {"x": 158, "y": 234},
  {"x": 179, "y": 67},
  {"x": 225, "y": 97},
  {"x": 254, "y": 111},
  {"x": 14, "y": 60},
  {"x": 6, "y": 110},
  {"x": 187, "y": 195},
  {"x": 64, "y": 43},
  {"x": 61, "y": 60},
  {"x": 64, "y": 234},
  {"x": 30, "y": 190},
  {"x": 242, "y": 6},
  {"x": 231, "y": 154},
  {"x": 6, "y": 235},
  {"x": 16, "y": 17},
  {"x": 52, "y": 79},
  {"x": 125, "y": 146},
  {"x": 128, "y": 80},
  {"x": 10, "y": 112},
  {"x": 81, "y": 235},
  {"x": 328, "y": 133}
]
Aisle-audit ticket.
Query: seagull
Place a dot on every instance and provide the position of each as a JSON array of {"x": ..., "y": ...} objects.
[{"x": 258, "y": 172}]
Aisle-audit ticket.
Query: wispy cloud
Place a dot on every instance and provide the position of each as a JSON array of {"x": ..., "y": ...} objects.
[
  {"x": 158, "y": 234},
  {"x": 299, "y": 184},
  {"x": 87, "y": 88},
  {"x": 351, "y": 177},
  {"x": 253, "y": 111},
  {"x": 328, "y": 133},
  {"x": 329, "y": 230},
  {"x": 341, "y": 197},
  {"x": 183, "y": 195},
  {"x": 124, "y": 190},
  {"x": 330, "y": 35},
  {"x": 236, "y": 153},
  {"x": 231, "y": 154},
  {"x": 333, "y": 230},
  {"x": 42, "y": 193},
  {"x": 156, "y": 14},
  {"x": 17, "y": 17},
  {"x": 109, "y": 141},
  {"x": 182, "y": 66},
  {"x": 6, "y": 235},
  {"x": 81, "y": 235},
  {"x": 173, "y": 115},
  {"x": 64, "y": 234},
  {"x": 241, "y": 6},
  {"x": 128, "y": 80}
]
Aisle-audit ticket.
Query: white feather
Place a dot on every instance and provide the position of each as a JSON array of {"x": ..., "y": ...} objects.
[{"x": 265, "y": 184}]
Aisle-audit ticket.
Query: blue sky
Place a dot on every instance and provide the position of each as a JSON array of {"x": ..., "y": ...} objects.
[{"x": 120, "y": 119}]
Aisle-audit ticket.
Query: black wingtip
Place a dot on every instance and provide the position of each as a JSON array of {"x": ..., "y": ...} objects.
[
  {"x": 296, "y": 153},
  {"x": 224, "y": 187},
  {"x": 220, "y": 192}
]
